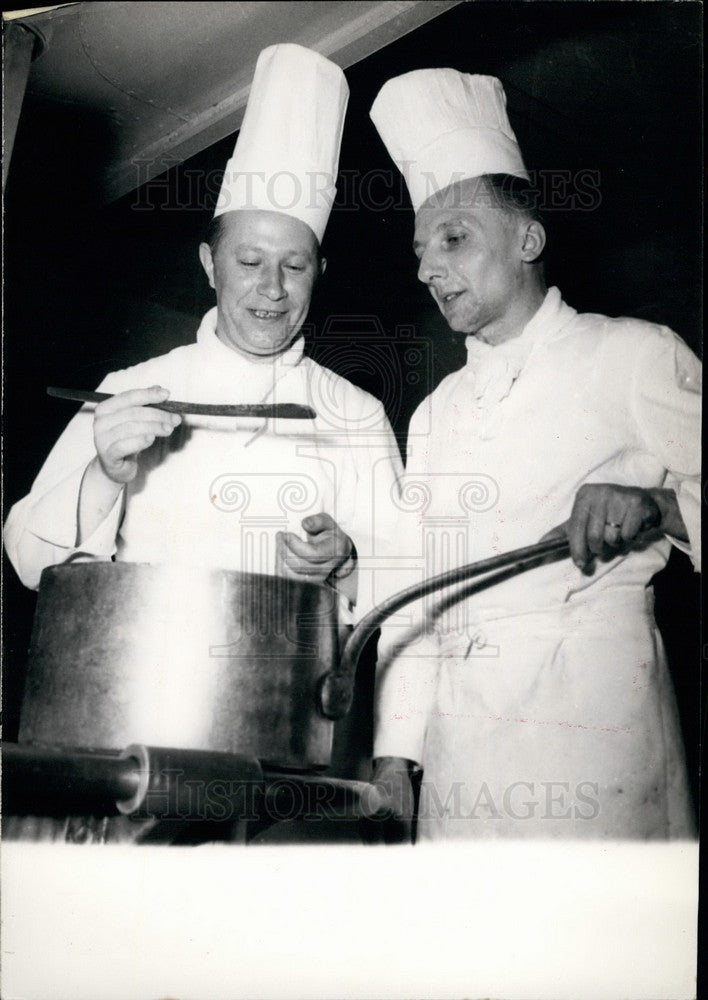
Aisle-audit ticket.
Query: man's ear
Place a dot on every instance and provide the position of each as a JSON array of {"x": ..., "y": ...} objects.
[
  {"x": 207, "y": 261},
  {"x": 533, "y": 241},
  {"x": 323, "y": 265}
]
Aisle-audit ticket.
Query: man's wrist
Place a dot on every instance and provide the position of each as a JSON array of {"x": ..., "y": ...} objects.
[
  {"x": 98, "y": 494},
  {"x": 671, "y": 522}
]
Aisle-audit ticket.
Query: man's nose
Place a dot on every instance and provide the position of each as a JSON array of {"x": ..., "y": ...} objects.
[
  {"x": 270, "y": 283},
  {"x": 431, "y": 266}
]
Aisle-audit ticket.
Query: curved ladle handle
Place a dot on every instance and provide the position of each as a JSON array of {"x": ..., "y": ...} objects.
[{"x": 337, "y": 686}]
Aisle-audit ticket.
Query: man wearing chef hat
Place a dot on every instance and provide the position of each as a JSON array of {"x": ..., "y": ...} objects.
[
  {"x": 279, "y": 496},
  {"x": 540, "y": 707},
  {"x": 289, "y": 497}
]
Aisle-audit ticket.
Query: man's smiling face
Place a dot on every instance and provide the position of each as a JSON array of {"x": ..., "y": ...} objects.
[{"x": 263, "y": 270}]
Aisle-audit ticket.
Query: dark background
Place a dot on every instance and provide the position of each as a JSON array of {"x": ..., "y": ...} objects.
[{"x": 613, "y": 88}]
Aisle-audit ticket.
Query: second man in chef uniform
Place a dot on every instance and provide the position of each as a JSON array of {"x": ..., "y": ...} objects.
[{"x": 543, "y": 706}]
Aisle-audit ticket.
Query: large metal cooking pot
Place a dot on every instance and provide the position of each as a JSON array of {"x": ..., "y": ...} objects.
[
  {"x": 125, "y": 653},
  {"x": 176, "y": 656}
]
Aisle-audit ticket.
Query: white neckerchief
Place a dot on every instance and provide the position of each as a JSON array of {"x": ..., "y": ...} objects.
[{"x": 495, "y": 368}]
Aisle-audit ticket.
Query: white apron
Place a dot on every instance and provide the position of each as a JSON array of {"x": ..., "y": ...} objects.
[
  {"x": 543, "y": 706},
  {"x": 554, "y": 724}
]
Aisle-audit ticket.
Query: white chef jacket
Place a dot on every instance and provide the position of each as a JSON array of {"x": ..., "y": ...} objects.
[
  {"x": 542, "y": 706},
  {"x": 216, "y": 492}
]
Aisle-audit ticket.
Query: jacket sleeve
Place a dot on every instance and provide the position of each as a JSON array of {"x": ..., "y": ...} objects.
[
  {"x": 41, "y": 529},
  {"x": 666, "y": 398}
]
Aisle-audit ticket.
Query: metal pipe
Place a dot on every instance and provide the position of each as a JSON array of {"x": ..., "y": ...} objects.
[
  {"x": 193, "y": 785},
  {"x": 293, "y": 796},
  {"x": 337, "y": 686},
  {"x": 33, "y": 774},
  {"x": 167, "y": 784},
  {"x": 143, "y": 782}
]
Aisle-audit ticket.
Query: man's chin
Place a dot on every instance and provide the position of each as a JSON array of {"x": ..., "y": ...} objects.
[{"x": 458, "y": 327}]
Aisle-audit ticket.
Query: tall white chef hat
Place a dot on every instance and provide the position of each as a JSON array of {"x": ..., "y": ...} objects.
[
  {"x": 441, "y": 126},
  {"x": 287, "y": 151}
]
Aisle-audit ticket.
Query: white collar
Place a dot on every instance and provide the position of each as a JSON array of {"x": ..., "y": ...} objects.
[
  {"x": 495, "y": 368},
  {"x": 516, "y": 350}
]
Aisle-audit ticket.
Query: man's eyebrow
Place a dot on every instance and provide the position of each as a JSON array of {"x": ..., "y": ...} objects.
[
  {"x": 261, "y": 248},
  {"x": 456, "y": 220}
]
